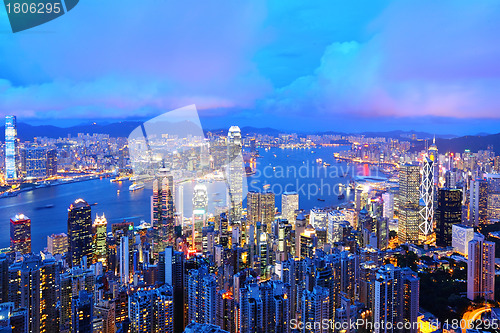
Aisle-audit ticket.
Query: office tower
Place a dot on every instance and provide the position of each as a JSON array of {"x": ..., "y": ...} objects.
[
  {"x": 51, "y": 163},
  {"x": 234, "y": 166},
  {"x": 261, "y": 208},
  {"x": 308, "y": 242},
  {"x": 481, "y": 269},
  {"x": 478, "y": 202},
  {"x": 151, "y": 310},
  {"x": 448, "y": 213},
  {"x": 124, "y": 261},
  {"x": 105, "y": 310},
  {"x": 79, "y": 232},
  {"x": 318, "y": 218},
  {"x": 11, "y": 149},
  {"x": 409, "y": 217},
  {"x": 82, "y": 312},
  {"x": 99, "y": 242},
  {"x": 36, "y": 163},
  {"x": 388, "y": 297},
  {"x": 450, "y": 179},
  {"x": 289, "y": 205},
  {"x": 280, "y": 308},
  {"x": 201, "y": 296},
  {"x": 427, "y": 197},
  {"x": 411, "y": 288},
  {"x": 250, "y": 310},
  {"x": 57, "y": 243},
  {"x": 461, "y": 236},
  {"x": 203, "y": 328},
  {"x": 162, "y": 213},
  {"x": 433, "y": 154},
  {"x": 316, "y": 308},
  {"x": 71, "y": 283},
  {"x": 20, "y": 234},
  {"x": 388, "y": 199},
  {"x": 253, "y": 212},
  {"x": 200, "y": 207}
]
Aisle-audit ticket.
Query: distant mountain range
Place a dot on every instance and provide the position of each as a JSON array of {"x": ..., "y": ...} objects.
[{"x": 445, "y": 143}]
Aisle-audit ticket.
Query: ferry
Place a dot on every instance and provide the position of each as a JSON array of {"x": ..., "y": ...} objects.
[
  {"x": 135, "y": 187},
  {"x": 326, "y": 164}
]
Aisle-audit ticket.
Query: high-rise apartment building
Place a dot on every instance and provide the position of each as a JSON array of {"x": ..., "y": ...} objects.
[{"x": 481, "y": 269}]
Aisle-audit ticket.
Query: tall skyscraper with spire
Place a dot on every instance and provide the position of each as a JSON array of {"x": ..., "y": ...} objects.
[
  {"x": 162, "y": 212},
  {"x": 11, "y": 150},
  {"x": 427, "y": 197},
  {"x": 234, "y": 174}
]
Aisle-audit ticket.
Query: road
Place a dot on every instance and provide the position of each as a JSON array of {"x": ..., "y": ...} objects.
[{"x": 470, "y": 316}]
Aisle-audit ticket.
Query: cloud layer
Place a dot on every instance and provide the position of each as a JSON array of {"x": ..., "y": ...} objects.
[{"x": 257, "y": 61}]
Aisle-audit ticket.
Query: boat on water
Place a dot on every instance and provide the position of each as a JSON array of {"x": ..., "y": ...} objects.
[
  {"x": 326, "y": 164},
  {"x": 322, "y": 200},
  {"x": 135, "y": 187},
  {"x": 45, "y": 207}
]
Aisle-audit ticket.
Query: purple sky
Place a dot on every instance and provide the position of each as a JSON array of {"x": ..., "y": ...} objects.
[{"x": 325, "y": 65}]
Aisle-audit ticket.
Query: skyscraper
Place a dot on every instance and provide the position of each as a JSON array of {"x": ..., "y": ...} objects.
[
  {"x": 478, "y": 202},
  {"x": 388, "y": 211},
  {"x": 289, "y": 205},
  {"x": 448, "y": 213},
  {"x": 82, "y": 312},
  {"x": 79, "y": 232},
  {"x": 11, "y": 149},
  {"x": 51, "y": 163},
  {"x": 427, "y": 197},
  {"x": 481, "y": 269},
  {"x": 20, "y": 234},
  {"x": 124, "y": 261},
  {"x": 162, "y": 212},
  {"x": 99, "y": 242},
  {"x": 36, "y": 163},
  {"x": 261, "y": 208},
  {"x": 235, "y": 174},
  {"x": 409, "y": 217},
  {"x": 57, "y": 243}
]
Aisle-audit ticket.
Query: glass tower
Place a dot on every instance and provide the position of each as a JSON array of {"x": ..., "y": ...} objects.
[{"x": 10, "y": 148}]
